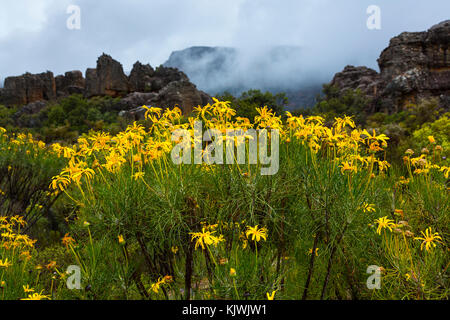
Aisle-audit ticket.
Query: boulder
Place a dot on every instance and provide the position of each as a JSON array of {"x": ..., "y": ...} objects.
[
  {"x": 181, "y": 94},
  {"x": 136, "y": 99},
  {"x": 134, "y": 114},
  {"x": 29, "y": 109},
  {"x": 362, "y": 78}
]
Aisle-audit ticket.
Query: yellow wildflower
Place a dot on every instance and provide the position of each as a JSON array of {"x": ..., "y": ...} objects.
[
  {"x": 429, "y": 238},
  {"x": 5, "y": 263},
  {"x": 37, "y": 296},
  {"x": 205, "y": 238},
  {"x": 138, "y": 175},
  {"x": 384, "y": 223},
  {"x": 368, "y": 207},
  {"x": 346, "y": 166},
  {"x": 256, "y": 233},
  {"x": 27, "y": 289}
]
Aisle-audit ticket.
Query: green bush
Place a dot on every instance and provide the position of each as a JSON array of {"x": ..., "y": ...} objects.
[
  {"x": 26, "y": 171},
  {"x": 351, "y": 103},
  {"x": 439, "y": 129},
  {"x": 248, "y": 101},
  {"x": 76, "y": 115},
  {"x": 6, "y": 116}
]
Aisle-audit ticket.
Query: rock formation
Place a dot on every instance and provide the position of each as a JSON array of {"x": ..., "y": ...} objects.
[
  {"x": 141, "y": 77},
  {"x": 107, "y": 79},
  {"x": 28, "y": 88},
  {"x": 182, "y": 94},
  {"x": 415, "y": 66},
  {"x": 29, "y": 109},
  {"x": 362, "y": 78},
  {"x": 163, "y": 87},
  {"x": 71, "y": 82}
]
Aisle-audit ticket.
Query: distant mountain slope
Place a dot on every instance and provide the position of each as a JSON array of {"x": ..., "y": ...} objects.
[{"x": 275, "y": 69}]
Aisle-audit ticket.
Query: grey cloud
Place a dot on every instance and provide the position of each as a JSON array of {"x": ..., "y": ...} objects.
[{"x": 330, "y": 33}]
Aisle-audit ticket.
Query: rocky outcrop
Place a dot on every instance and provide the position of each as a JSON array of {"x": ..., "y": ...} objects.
[
  {"x": 141, "y": 77},
  {"x": 182, "y": 94},
  {"x": 163, "y": 87},
  {"x": 164, "y": 75},
  {"x": 362, "y": 78},
  {"x": 29, "y": 109},
  {"x": 29, "y": 88},
  {"x": 71, "y": 82},
  {"x": 107, "y": 79},
  {"x": 136, "y": 99},
  {"x": 415, "y": 66}
]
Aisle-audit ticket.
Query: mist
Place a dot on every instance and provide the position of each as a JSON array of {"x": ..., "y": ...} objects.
[{"x": 219, "y": 69}]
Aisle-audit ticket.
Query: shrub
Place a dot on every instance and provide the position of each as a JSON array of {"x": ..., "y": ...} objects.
[{"x": 26, "y": 169}]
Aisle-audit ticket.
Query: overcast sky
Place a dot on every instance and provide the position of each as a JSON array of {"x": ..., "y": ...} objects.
[{"x": 34, "y": 36}]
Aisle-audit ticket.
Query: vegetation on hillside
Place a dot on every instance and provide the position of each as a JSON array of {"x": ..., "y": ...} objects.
[
  {"x": 246, "y": 104},
  {"x": 65, "y": 120},
  {"x": 141, "y": 227},
  {"x": 407, "y": 128}
]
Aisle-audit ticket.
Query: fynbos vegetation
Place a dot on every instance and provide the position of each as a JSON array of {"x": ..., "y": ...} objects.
[{"x": 138, "y": 226}]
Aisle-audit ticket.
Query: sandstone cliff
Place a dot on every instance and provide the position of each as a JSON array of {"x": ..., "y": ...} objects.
[{"x": 415, "y": 66}]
